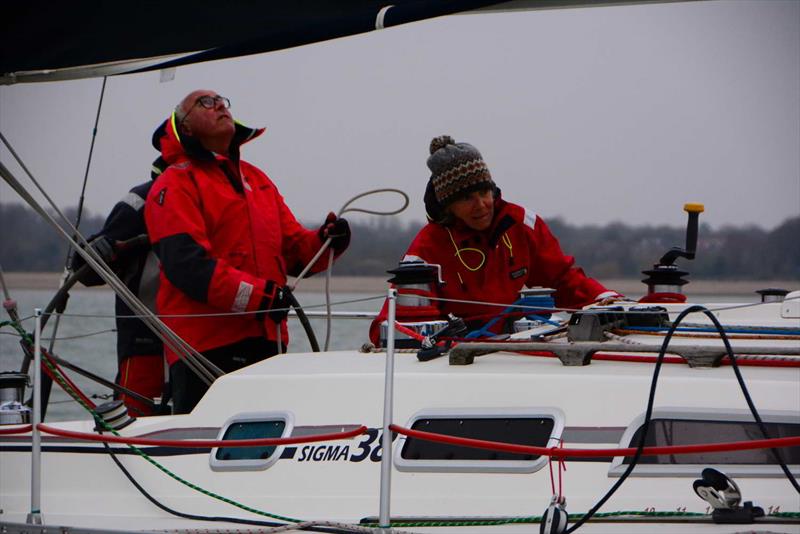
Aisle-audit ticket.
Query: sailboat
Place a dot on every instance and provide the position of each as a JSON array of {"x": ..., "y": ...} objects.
[{"x": 663, "y": 415}]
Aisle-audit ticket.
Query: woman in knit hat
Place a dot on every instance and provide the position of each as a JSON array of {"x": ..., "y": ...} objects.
[{"x": 489, "y": 249}]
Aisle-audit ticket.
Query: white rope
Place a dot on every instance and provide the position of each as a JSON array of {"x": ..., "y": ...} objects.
[
  {"x": 65, "y": 338},
  {"x": 346, "y": 315},
  {"x": 345, "y": 209},
  {"x": 622, "y": 339}
]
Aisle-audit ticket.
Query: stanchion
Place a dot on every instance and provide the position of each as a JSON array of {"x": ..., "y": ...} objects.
[
  {"x": 388, "y": 392},
  {"x": 35, "y": 516}
]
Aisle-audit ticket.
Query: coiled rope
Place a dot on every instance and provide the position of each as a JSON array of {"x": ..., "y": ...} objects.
[{"x": 345, "y": 209}]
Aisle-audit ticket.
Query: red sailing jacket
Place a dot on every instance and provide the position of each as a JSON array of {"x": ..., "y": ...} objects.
[
  {"x": 517, "y": 251},
  {"x": 225, "y": 242}
]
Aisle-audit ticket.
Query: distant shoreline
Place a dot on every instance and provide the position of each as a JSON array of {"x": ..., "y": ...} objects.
[{"x": 371, "y": 284}]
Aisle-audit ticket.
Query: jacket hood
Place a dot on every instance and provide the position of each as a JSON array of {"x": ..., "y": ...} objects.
[{"x": 174, "y": 146}]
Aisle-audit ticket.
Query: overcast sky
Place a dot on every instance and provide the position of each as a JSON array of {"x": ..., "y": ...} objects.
[{"x": 592, "y": 114}]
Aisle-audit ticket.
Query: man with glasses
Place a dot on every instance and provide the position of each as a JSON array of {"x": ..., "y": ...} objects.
[{"x": 226, "y": 241}]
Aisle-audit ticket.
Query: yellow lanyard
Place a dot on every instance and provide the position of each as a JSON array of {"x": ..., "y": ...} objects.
[
  {"x": 507, "y": 242},
  {"x": 458, "y": 254},
  {"x": 467, "y": 249}
]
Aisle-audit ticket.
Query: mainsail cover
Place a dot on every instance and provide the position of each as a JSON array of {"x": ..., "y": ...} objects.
[{"x": 42, "y": 40}]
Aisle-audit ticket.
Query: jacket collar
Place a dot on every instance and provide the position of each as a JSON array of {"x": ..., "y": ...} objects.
[{"x": 175, "y": 147}]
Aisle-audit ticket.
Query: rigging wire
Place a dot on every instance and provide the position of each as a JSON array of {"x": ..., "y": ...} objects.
[
  {"x": 89, "y": 159},
  {"x": 47, "y": 383},
  {"x": 206, "y": 370},
  {"x": 81, "y": 200}
]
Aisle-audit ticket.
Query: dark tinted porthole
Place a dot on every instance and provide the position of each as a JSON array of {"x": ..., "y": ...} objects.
[
  {"x": 250, "y": 430},
  {"x": 532, "y": 431},
  {"x": 664, "y": 432}
]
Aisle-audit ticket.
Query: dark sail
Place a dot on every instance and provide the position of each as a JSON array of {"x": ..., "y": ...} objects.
[{"x": 44, "y": 40}]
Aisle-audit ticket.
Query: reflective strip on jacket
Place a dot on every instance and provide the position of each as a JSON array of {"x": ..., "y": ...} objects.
[{"x": 223, "y": 233}]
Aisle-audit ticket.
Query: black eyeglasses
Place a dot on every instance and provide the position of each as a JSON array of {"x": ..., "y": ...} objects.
[
  {"x": 210, "y": 102},
  {"x": 207, "y": 102}
]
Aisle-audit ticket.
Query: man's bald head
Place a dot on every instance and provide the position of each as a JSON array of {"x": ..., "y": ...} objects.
[{"x": 204, "y": 115}]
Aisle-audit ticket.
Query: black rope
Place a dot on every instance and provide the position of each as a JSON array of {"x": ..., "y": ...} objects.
[
  {"x": 301, "y": 315},
  {"x": 651, "y": 399},
  {"x": 194, "y": 517},
  {"x": 750, "y": 403}
]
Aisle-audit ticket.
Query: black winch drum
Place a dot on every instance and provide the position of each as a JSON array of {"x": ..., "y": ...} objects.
[{"x": 12, "y": 389}]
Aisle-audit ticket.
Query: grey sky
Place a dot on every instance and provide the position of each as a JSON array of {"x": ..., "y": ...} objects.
[{"x": 597, "y": 115}]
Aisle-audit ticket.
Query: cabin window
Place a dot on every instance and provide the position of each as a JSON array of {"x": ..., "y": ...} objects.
[
  {"x": 685, "y": 428},
  {"x": 251, "y": 426},
  {"x": 540, "y": 428}
]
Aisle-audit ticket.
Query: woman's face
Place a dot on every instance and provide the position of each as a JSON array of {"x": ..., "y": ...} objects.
[{"x": 476, "y": 209}]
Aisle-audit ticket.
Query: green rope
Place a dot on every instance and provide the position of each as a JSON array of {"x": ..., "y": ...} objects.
[
  {"x": 21, "y": 331},
  {"x": 460, "y": 523},
  {"x": 788, "y": 515},
  {"x": 202, "y": 490},
  {"x": 642, "y": 513},
  {"x": 100, "y": 421},
  {"x": 538, "y": 519}
]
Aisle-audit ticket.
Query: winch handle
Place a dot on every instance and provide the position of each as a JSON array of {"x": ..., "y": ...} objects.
[{"x": 694, "y": 210}]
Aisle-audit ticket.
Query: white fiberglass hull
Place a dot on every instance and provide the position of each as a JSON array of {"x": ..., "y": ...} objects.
[{"x": 339, "y": 480}]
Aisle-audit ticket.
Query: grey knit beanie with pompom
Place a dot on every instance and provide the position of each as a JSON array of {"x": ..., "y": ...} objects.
[{"x": 456, "y": 168}]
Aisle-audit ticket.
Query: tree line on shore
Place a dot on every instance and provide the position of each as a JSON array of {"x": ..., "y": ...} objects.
[{"x": 614, "y": 250}]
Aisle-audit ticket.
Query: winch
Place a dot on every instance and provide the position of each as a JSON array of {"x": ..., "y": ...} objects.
[
  {"x": 665, "y": 280},
  {"x": 414, "y": 280},
  {"x": 12, "y": 389}
]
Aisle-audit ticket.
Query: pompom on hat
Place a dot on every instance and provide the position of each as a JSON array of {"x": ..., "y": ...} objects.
[{"x": 457, "y": 168}]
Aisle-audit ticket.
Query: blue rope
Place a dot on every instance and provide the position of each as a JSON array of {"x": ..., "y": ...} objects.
[
  {"x": 728, "y": 330},
  {"x": 532, "y": 302}
]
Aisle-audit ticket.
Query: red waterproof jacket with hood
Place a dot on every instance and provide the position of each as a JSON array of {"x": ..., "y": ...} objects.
[
  {"x": 226, "y": 241},
  {"x": 517, "y": 250}
]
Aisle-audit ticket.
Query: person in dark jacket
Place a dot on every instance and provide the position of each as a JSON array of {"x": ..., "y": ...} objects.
[
  {"x": 226, "y": 241},
  {"x": 139, "y": 350}
]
